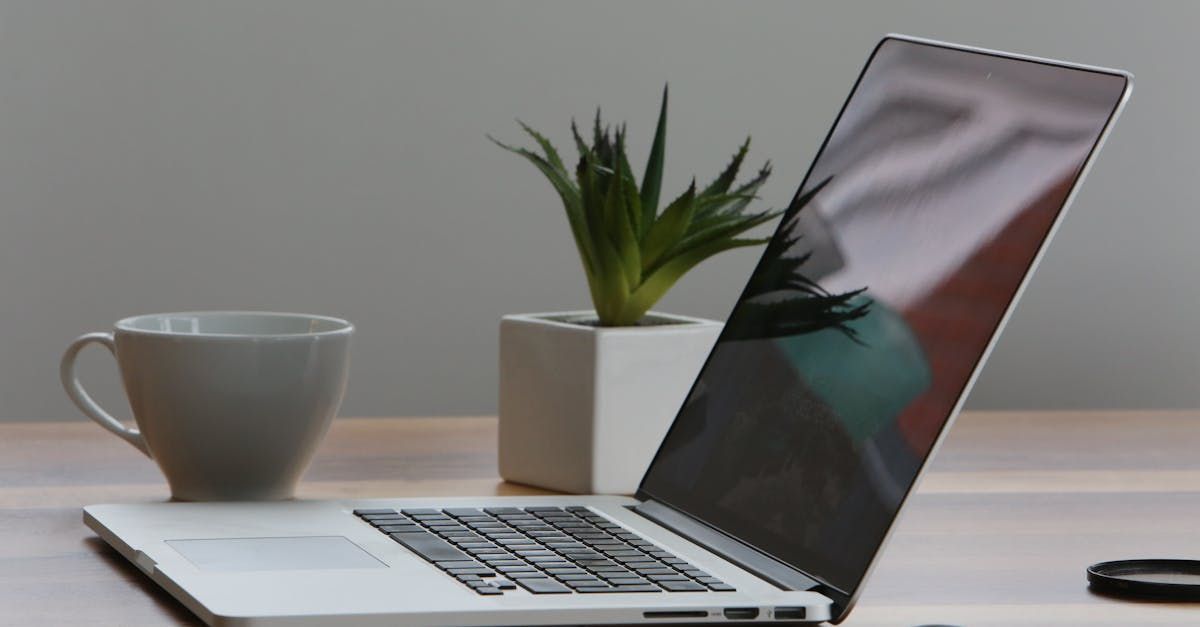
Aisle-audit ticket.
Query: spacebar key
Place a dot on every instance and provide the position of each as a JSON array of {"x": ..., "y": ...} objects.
[{"x": 429, "y": 546}]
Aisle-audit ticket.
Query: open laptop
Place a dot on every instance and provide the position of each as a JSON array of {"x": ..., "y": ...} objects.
[{"x": 841, "y": 365}]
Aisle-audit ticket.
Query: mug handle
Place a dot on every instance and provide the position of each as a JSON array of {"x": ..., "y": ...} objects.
[{"x": 84, "y": 402}]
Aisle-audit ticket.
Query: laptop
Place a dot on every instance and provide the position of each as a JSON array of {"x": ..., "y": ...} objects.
[{"x": 842, "y": 364}]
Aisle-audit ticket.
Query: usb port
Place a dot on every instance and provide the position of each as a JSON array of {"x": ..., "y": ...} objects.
[
  {"x": 789, "y": 613},
  {"x": 741, "y": 613}
]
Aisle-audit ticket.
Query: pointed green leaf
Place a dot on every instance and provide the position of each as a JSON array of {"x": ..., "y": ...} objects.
[
  {"x": 716, "y": 205},
  {"x": 633, "y": 202},
  {"x": 652, "y": 179},
  {"x": 571, "y": 199},
  {"x": 551, "y": 154},
  {"x": 591, "y": 202},
  {"x": 726, "y": 178},
  {"x": 740, "y": 197},
  {"x": 580, "y": 146},
  {"x": 656, "y": 284},
  {"x": 724, "y": 230},
  {"x": 669, "y": 227},
  {"x": 613, "y": 288},
  {"x": 620, "y": 232}
]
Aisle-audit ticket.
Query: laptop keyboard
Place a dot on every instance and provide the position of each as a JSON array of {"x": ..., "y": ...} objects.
[{"x": 545, "y": 550}]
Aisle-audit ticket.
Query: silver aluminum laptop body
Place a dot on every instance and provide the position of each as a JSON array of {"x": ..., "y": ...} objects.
[{"x": 316, "y": 562}]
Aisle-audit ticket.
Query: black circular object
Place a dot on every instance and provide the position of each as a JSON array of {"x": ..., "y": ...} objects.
[{"x": 1155, "y": 579}]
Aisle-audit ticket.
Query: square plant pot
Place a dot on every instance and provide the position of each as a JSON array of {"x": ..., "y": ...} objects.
[{"x": 584, "y": 408}]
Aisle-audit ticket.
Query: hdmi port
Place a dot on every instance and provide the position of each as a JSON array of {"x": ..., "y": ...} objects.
[{"x": 741, "y": 613}]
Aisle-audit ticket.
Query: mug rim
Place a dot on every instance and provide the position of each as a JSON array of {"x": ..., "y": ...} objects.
[{"x": 126, "y": 325}]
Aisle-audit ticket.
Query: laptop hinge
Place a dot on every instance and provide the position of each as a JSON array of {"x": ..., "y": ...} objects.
[{"x": 749, "y": 558}]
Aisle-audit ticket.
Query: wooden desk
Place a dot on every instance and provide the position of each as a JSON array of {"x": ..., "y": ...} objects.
[{"x": 1016, "y": 505}]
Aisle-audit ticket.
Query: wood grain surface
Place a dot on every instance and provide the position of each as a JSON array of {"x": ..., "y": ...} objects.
[{"x": 1016, "y": 505}]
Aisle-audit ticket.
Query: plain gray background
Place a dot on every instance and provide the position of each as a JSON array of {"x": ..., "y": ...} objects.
[{"x": 330, "y": 157}]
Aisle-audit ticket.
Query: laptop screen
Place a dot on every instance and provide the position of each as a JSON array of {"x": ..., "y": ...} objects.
[{"x": 876, "y": 299}]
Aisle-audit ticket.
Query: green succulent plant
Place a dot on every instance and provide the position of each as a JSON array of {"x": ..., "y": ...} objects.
[{"x": 632, "y": 253}]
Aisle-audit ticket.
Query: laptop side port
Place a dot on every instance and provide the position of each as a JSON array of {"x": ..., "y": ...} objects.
[
  {"x": 741, "y": 613},
  {"x": 789, "y": 613},
  {"x": 674, "y": 614}
]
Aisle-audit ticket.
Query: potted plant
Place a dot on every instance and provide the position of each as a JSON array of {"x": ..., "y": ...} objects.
[{"x": 587, "y": 396}]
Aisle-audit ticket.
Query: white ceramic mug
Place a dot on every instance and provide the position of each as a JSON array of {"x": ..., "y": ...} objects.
[{"x": 230, "y": 404}]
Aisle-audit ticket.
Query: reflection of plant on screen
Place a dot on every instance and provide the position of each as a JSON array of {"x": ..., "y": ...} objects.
[{"x": 781, "y": 301}]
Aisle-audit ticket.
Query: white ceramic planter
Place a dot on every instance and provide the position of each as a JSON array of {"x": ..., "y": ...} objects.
[{"x": 583, "y": 408}]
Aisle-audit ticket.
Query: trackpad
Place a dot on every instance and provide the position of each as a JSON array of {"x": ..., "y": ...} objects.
[{"x": 293, "y": 553}]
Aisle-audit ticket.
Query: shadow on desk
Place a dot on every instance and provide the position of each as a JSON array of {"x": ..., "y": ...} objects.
[{"x": 130, "y": 573}]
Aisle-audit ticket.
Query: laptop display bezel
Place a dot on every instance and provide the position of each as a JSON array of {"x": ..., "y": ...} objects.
[{"x": 843, "y": 600}]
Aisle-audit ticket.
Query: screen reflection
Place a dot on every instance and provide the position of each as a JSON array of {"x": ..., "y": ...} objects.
[{"x": 875, "y": 300}]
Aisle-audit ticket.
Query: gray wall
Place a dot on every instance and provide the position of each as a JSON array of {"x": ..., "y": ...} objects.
[{"x": 330, "y": 157}]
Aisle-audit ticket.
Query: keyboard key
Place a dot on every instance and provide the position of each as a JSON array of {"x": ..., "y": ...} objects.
[
  {"x": 430, "y": 519},
  {"x": 673, "y": 577},
  {"x": 503, "y": 535},
  {"x": 584, "y": 555},
  {"x": 626, "y": 581},
  {"x": 682, "y": 586},
  {"x": 503, "y": 584},
  {"x": 590, "y": 582},
  {"x": 543, "y": 508},
  {"x": 457, "y": 564},
  {"x": 721, "y": 587},
  {"x": 502, "y": 510},
  {"x": 488, "y": 590},
  {"x": 429, "y": 546},
  {"x": 636, "y": 588},
  {"x": 482, "y": 546},
  {"x": 542, "y": 585},
  {"x": 532, "y": 574},
  {"x": 383, "y": 518},
  {"x": 565, "y": 546},
  {"x": 399, "y": 528},
  {"x": 472, "y": 570},
  {"x": 655, "y": 571},
  {"x": 565, "y": 571},
  {"x": 496, "y": 562},
  {"x": 610, "y": 544},
  {"x": 457, "y": 512},
  {"x": 480, "y": 554},
  {"x": 531, "y": 527},
  {"x": 574, "y": 576},
  {"x": 373, "y": 512},
  {"x": 529, "y": 554}
]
